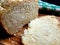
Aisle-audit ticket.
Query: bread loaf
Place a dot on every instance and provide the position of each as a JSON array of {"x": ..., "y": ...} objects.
[
  {"x": 42, "y": 31},
  {"x": 18, "y": 13}
]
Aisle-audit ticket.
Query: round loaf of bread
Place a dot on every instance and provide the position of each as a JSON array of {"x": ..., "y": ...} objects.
[
  {"x": 19, "y": 13},
  {"x": 42, "y": 31}
]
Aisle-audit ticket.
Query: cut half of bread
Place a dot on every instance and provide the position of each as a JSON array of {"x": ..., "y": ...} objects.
[
  {"x": 42, "y": 31},
  {"x": 19, "y": 13}
]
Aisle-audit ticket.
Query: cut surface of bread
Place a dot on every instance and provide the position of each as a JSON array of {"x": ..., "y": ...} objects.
[
  {"x": 18, "y": 14},
  {"x": 42, "y": 31}
]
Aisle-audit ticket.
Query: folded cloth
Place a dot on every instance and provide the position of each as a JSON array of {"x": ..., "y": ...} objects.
[{"x": 45, "y": 5}]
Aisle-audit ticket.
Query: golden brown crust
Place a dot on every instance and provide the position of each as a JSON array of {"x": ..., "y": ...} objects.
[
  {"x": 12, "y": 41},
  {"x": 2, "y": 10}
]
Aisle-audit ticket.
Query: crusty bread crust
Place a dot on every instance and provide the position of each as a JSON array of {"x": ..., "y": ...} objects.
[{"x": 12, "y": 41}]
